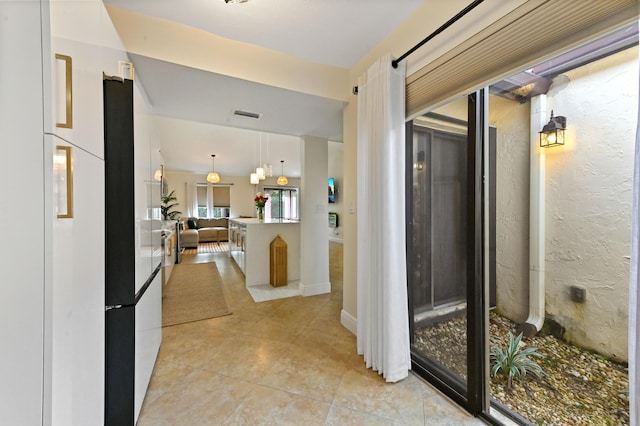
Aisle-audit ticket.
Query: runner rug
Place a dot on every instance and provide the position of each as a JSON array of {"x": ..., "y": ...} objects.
[{"x": 193, "y": 293}]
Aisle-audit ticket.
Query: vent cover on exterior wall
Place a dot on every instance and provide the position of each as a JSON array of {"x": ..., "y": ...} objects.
[{"x": 246, "y": 114}]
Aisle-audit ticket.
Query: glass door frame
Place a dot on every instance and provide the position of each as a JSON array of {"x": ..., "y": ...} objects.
[{"x": 476, "y": 400}]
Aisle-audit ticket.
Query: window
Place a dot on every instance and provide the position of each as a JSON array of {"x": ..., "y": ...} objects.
[
  {"x": 282, "y": 203},
  {"x": 202, "y": 201},
  {"x": 213, "y": 201}
]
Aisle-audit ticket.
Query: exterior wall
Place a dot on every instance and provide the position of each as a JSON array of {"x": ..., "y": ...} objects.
[
  {"x": 589, "y": 194},
  {"x": 511, "y": 120},
  {"x": 588, "y": 203}
]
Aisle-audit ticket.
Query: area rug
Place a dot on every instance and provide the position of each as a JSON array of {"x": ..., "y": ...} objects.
[
  {"x": 221, "y": 247},
  {"x": 193, "y": 293}
]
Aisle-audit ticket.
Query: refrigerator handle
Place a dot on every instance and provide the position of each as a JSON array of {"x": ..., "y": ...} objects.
[{"x": 110, "y": 307}]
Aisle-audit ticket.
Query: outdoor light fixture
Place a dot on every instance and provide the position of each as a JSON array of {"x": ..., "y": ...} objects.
[
  {"x": 213, "y": 177},
  {"x": 552, "y": 133},
  {"x": 282, "y": 179},
  {"x": 419, "y": 164}
]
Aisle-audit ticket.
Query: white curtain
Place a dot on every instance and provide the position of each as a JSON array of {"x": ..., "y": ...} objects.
[
  {"x": 634, "y": 290},
  {"x": 383, "y": 319},
  {"x": 210, "y": 201},
  {"x": 191, "y": 191}
]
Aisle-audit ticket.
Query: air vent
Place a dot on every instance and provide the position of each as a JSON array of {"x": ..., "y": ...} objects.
[{"x": 246, "y": 114}]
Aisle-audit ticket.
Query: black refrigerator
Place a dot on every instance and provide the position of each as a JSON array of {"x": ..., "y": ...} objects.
[{"x": 132, "y": 297}]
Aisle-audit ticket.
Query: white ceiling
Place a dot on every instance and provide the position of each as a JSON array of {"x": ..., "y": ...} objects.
[{"x": 330, "y": 32}]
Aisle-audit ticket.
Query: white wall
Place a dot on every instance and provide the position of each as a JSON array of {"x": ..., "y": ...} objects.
[
  {"x": 240, "y": 190},
  {"x": 511, "y": 120},
  {"x": 335, "y": 170},
  {"x": 589, "y": 184},
  {"x": 588, "y": 203}
]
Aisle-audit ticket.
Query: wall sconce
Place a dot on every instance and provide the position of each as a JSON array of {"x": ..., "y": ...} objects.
[
  {"x": 552, "y": 133},
  {"x": 159, "y": 173},
  {"x": 419, "y": 164}
]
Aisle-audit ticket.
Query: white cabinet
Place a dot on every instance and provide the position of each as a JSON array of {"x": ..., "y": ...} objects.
[
  {"x": 78, "y": 35},
  {"x": 83, "y": 44},
  {"x": 77, "y": 294},
  {"x": 25, "y": 249}
]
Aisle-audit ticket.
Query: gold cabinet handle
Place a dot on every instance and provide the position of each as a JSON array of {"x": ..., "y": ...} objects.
[
  {"x": 68, "y": 123},
  {"x": 63, "y": 181}
]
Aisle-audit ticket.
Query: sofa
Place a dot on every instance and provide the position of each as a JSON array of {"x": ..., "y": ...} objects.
[{"x": 198, "y": 230}]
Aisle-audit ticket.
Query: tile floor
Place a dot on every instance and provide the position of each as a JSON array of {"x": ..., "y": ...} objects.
[{"x": 286, "y": 362}]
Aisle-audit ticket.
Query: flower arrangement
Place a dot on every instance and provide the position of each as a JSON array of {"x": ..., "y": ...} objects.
[{"x": 260, "y": 200}]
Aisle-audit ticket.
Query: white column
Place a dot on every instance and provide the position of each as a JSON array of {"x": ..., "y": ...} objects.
[{"x": 314, "y": 243}]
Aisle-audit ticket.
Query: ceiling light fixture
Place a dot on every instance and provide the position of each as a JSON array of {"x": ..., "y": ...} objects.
[
  {"x": 282, "y": 179},
  {"x": 268, "y": 169},
  {"x": 260, "y": 170},
  {"x": 213, "y": 177},
  {"x": 253, "y": 179}
]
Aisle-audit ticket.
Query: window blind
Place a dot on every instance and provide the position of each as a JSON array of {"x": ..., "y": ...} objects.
[
  {"x": 221, "y": 196},
  {"x": 534, "y": 32}
]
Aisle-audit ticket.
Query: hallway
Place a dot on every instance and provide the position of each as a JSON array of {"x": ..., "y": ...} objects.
[{"x": 286, "y": 361}]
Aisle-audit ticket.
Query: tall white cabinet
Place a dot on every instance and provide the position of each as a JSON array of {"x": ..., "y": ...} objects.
[
  {"x": 52, "y": 286},
  {"x": 26, "y": 250}
]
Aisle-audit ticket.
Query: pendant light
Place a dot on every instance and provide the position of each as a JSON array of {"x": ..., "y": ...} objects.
[
  {"x": 260, "y": 170},
  {"x": 253, "y": 179},
  {"x": 268, "y": 169},
  {"x": 282, "y": 179},
  {"x": 213, "y": 177}
]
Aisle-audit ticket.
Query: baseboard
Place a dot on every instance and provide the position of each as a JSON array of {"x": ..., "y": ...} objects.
[
  {"x": 315, "y": 289},
  {"x": 349, "y": 322}
]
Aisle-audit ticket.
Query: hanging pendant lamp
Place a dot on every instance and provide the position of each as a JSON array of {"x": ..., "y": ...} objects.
[
  {"x": 282, "y": 179},
  {"x": 213, "y": 177},
  {"x": 253, "y": 179}
]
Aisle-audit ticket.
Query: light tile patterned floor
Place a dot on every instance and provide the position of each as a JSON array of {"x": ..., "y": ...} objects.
[{"x": 286, "y": 362}]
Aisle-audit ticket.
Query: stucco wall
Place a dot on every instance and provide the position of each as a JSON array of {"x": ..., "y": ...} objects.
[
  {"x": 511, "y": 120},
  {"x": 588, "y": 214},
  {"x": 588, "y": 203}
]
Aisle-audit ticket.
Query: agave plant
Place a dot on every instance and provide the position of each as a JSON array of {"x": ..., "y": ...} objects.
[{"x": 512, "y": 361}]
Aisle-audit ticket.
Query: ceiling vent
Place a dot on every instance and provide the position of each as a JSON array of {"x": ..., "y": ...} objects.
[{"x": 246, "y": 114}]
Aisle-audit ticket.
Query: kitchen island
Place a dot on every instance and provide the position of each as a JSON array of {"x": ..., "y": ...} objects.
[{"x": 249, "y": 241}]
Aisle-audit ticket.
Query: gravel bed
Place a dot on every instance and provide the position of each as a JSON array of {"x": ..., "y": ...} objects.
[{"x": 580, "y": 387}]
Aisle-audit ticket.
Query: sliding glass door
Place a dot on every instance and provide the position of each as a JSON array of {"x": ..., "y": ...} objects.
[{"x": 445, "y": 247}]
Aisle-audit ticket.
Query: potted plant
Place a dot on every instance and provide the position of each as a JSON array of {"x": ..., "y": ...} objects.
[{"x": 168, "y": 203}]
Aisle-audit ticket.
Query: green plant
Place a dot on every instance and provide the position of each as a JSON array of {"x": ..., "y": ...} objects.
[
  {"x": 512, "y": 361},
  {"x": 167, "y": 204}
]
